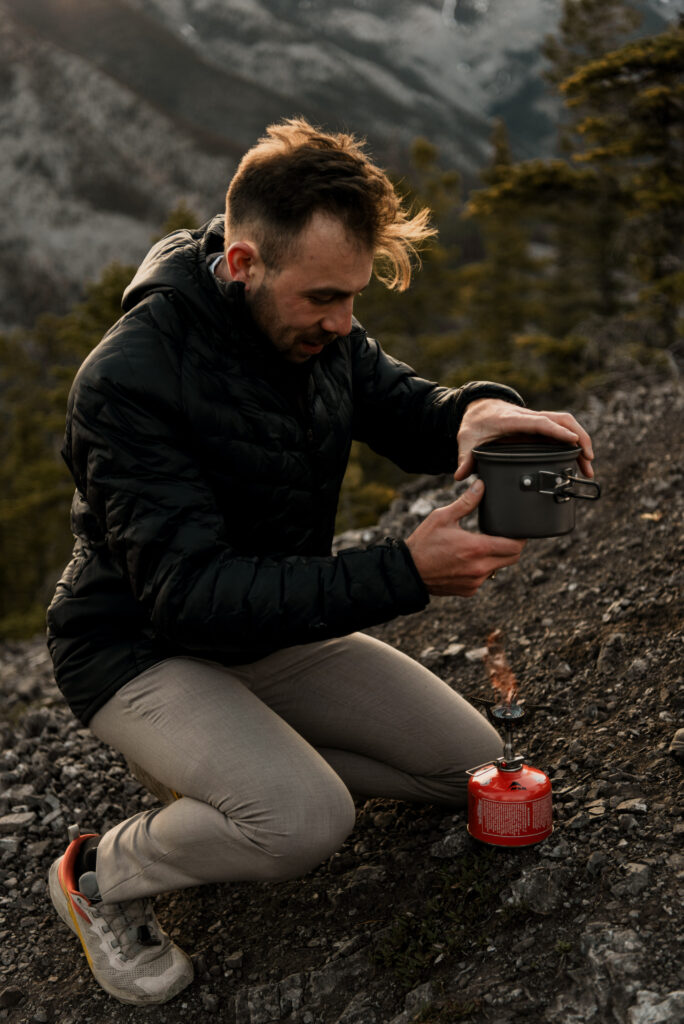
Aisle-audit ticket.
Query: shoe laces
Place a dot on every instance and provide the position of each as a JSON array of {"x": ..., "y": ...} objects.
[{"x": 132, "y": 925}]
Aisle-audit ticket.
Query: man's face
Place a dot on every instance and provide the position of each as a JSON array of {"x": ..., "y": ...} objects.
[{"x": 308, "y": 303}]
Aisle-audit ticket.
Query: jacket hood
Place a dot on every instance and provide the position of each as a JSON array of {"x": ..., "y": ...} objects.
[{"x": 178, "y": 262}]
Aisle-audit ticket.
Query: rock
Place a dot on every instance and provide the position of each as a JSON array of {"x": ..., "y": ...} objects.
[
  {"x": 419, "y": 998},
  {"x": 10, "y": 996},
  {"x": 10, "y": 823},
  {"x": 476, "y": 653},
  {"x": 637, "y": 877},
  {"x": 430, "y": 656},
  {"x": 614, "y": 956},
  {"x": 210, "y": 1002},
  {"x": 384, "y": 819},
  {"x": 636, "y": 670},
  {"x": 263, "y": 1004},
  {"x": 453, "y": 649},
  {"x": 652, "y": 1008},
  {"x": 415, "y": 1003},
  {"x": 634, "y": 806},
  {"x": 676, "y": 747},
  {"x": 596, "y": 861},
  {"x": 609, "y": 659},
  {"x": 358, "y": 1011},
  {"x": 452, "y": 845},
  {"x": 345, "y": 973},
  {"x": 291, "y": 992},
  {"x": 539, "y": 888}
]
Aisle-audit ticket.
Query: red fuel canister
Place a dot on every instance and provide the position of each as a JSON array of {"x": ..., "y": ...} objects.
[{"x": 509, "y": 804}]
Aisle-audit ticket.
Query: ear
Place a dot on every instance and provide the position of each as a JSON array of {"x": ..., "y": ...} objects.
[{"x": 243, "y": 262}]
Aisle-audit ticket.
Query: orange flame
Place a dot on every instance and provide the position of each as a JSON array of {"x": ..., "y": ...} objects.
[{"x": 499, "y": 671}]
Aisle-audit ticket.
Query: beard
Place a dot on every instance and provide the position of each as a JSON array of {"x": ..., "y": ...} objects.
[{"x": 291, "y": 342}]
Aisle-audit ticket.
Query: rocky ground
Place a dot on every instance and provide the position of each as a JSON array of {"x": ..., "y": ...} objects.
[{"x": 412, "y": 920}]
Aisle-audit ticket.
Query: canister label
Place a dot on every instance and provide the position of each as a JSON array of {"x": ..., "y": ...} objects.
[{"x": 509, "y": 819}]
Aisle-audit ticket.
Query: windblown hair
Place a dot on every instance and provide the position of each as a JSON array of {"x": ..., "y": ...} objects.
[{"x": 295, "y": 171}]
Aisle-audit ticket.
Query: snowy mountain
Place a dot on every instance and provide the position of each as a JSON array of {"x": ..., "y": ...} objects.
[{"x": 113, "y": 110}]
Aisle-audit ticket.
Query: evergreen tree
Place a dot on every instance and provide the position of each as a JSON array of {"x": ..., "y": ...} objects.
[
  {"x": 498, "y": 295},
  {"x": 37, "y": 366},
  {"x": 587, "y": 29},
  {"x": 633, "y": 105}
]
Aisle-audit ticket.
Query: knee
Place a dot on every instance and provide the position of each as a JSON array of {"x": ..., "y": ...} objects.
[{"x": 308, "y": 832}]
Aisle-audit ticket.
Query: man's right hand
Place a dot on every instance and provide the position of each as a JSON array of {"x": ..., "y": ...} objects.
[{"x": 449, "y": 559}]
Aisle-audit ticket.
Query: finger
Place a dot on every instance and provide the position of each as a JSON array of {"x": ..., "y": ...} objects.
[
  {"x": 547, "y": 424},
  {"x": 503, "y": 551},
  {"x": 568, "y": 420},
  {"x": 467, "y": 501},
  {"x": 585, "y": 466},
  {"x": 466, "y": 464}
]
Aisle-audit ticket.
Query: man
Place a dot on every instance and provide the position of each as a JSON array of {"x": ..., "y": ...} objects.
[{"x": 203, "y": 628}]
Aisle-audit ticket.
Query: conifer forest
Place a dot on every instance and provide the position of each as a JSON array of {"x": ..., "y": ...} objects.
[{"x": 555, "y": 275}]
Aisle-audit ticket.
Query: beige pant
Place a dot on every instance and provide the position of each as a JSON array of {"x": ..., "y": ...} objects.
[{"x": 267, "y": 755}]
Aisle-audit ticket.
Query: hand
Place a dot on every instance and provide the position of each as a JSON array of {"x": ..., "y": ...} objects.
[
  {"x": 489, "y": 418},
  {"x": 449, "y": 559}
]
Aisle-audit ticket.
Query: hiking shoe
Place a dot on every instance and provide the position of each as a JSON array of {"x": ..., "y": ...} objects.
[{"x": 129, "y": 954}]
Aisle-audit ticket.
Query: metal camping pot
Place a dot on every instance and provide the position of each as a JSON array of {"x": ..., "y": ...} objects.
[{"x": 530, "y": 487}]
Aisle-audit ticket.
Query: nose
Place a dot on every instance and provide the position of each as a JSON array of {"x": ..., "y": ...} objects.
[{"x": 338, "y": 319}]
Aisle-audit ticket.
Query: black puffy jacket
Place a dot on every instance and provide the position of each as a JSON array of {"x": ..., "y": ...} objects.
[{"x": 207, "y": 475}]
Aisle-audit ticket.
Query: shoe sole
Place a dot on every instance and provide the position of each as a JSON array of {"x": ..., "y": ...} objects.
[{"x": 62, "y": 905}]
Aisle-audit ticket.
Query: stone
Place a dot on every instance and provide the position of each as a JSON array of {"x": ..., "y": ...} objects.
[
  {"x": 419, "y": 998},
  {"x": 263, "y": 1003},
  {"x": 452, "y": 845},
  {"x": 358, "y": 1011},
  {"x": 209, "y": 1001},
  {"x": 676, "y": 748},
  {"x": 596, "y": 861},
  {"x": 636, "y": 879},
  {"x": 11, "y": 823},
  {"x": 634, "y": 806},
  {"x": 609, "y": 654},
  {"x": 540, "y": 889},
  {"x": 10, "y": 996},
  {"x": 476, "y": 654},
  {"x": 291, "y": 994},
  {"x": 345, "y": 973},
  {"x": 421, "y": 507},
  {"x": 652, "y": 1008}
]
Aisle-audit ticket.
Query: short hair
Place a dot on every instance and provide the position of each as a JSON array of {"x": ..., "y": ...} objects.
[{"x": 296, "y": 170}]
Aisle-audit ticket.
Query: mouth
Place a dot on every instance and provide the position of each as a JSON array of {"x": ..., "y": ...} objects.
[{"x": 312, "y": 348}]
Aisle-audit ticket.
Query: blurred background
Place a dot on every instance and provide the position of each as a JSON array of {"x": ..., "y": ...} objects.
[{"x": 546, "y": 135}]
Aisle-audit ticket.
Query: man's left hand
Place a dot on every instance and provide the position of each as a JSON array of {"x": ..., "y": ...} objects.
[{"x": 488, "y": 418}]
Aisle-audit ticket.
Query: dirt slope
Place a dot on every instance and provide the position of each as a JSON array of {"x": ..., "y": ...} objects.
[{"x": 411, "y": 919}]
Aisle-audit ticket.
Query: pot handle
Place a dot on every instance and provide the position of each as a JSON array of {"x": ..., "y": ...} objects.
[
  {"x": 561, "y": 485},
  {"x": 567, "y": 488}
]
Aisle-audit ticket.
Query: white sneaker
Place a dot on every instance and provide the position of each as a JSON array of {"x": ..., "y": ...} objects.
[{"x": 129, "y": 954}]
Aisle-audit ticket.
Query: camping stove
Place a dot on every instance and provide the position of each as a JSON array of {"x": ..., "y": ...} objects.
[{"x": 509, "y": 802}]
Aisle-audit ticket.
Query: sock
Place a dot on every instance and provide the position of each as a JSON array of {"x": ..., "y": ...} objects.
[{"x": 87, "y": 858}]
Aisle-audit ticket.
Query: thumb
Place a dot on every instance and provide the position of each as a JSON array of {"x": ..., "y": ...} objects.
[{"x": 469, "y": 500}]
